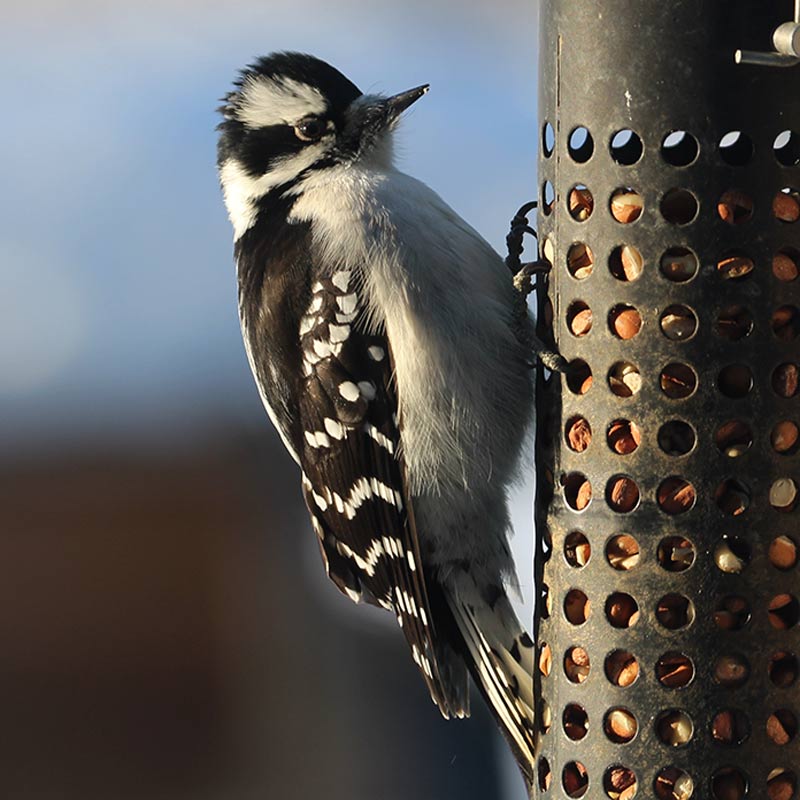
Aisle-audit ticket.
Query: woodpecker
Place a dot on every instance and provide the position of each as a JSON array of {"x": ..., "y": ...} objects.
[{"x": 393, "y": 355}]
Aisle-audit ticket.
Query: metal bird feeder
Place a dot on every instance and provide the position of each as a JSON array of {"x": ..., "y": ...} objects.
[{"x": 668, "y": 456}]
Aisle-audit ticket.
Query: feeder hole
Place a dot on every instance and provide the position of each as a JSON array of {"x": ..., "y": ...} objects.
[
  {"x": 576, "y": 607},
  {"x": 580, "y": 145},
  {"x": 575, "y": 779},
  {"x": 626, "y": 147},
  {"x": 734, "y": 323},
  {"x": 545, "y": 660},
  {"x": 622, "y": 611},
  {"x": 578, "y": 433},
  {"x": 781, "y": 784},
  {"x": 625, "y": 263},
  {"x": 736, "y": 148},
  {"x": 674, "y": 670},
  {"x": 621, "y": 668},
  {"x": 619, "y": 783},
  {"x": 679, "y": 206},
  {"x": 786, "y": 264},
  {"x": 548, "y": 140},
  {"x": 675, "y": 554},
  {"x": 731, "y": 555},
  {"x": 679, "y": 148},
  {"x": 732, "y": 613},
  {"x": 676, "y": 437},
  {"x": 678, "y": 381},
  {"x": 580, "y": 202},
  {"x": 579, "y": 377},
  {"x": 622, "y": 552},
  {"x": 782, "y": 669},
  {"x": 580, "y": 261},
  {"x": 622, "y": 494},
  {"x": 676, "y": 495},
  {"x": 786, "y": 323},
  {"x": 783, "y": 611},
  {"x": 544, "y": 774},
  {"x": 576, "y": 665},
  {"x": 624, "y": 321},
  {"x": 783, "y": 553},
  {"x": 733, "y": 438},
  {"x": 731, "y": 671},
  {"x": 620, "y": 725},
  {"x": 735, "y": 207},
  {"x": 674, "y": 611},
  {"x": 785, "y": 380},
  {"x": 735, "y": 381},
  {"x": 674, "y": 727},
  {"x": 786, "y": 205},
  {"x": 678, "y": 323},
  {"x": 577, "y": 491},
  {"x": 679, "y": 264},
  {"x": 781, "y": 726},
  {"x": 786, "y": 148},
  {"x": 577, "y": 549},
  {"x": 730, "y": 727},
  {"x": 729, "y": 783},
  {"x": 626, "y": 205},
  {"x": 624, "y": 379},
  {"x": 734, "y": 266},
  {"x": 579, "y": 318},
  {"x": 672, "y": 783},
  {"x": 732, "y": 497},
  {"x": 623, "y": 436}
]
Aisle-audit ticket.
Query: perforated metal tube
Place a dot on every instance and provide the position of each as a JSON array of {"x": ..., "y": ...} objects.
[{"x": 667, "y": 458}]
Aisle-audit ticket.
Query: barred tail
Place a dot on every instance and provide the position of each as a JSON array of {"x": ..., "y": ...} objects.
[{"x": 499, "y": 654}]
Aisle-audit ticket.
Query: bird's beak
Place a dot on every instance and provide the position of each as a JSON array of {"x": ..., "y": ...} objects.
[
  {"x": 372, "y": 116},
  {"x": 397, "y": 104}
]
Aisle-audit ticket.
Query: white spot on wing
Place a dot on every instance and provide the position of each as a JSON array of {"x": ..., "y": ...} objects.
[
  {"x": 347, "y": 303},
  {"x": 354, "y": 596},
  {"x": 339, "y": 333},
  {"x": 367, "y": 389},
  {"x": 383, "y": 441},
  {"x": 322, "y": 349},
  {"x": 376, "y": 353},
  {"x": 341, "y": 279},
  {"x": 334, "y": 428},
  {"x": 349, "y": 391}
]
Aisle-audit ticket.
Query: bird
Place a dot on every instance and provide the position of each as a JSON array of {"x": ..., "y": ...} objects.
[{"x": 393, "y": 355}]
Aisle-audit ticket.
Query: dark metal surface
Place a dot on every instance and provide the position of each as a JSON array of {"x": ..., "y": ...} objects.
[{"x": 655, "y": 67}]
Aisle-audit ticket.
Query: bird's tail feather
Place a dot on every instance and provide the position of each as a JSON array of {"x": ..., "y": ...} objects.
[{"x": 499, "y": 654}]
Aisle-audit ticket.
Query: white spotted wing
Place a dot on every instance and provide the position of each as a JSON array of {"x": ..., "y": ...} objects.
[{"x": 352, "y": 465}]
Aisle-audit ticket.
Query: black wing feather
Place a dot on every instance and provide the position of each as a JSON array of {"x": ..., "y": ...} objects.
[{"x": 353, "y": 469}]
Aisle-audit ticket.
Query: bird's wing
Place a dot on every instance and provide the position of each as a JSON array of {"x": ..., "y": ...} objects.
[{"x": 353, "y": 471}]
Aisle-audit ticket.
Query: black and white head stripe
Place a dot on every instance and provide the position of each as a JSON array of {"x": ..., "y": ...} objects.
[
  {"x": 282, "y": 88},
  {"x": 352, "y": 467},
  {"x": 260, "y": 154}
]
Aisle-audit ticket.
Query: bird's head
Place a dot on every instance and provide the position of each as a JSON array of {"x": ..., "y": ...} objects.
[{"x": 292, "y": 115}]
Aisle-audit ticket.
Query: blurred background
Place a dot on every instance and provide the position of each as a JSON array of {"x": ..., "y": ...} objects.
[{"x": 167, "y": 630}]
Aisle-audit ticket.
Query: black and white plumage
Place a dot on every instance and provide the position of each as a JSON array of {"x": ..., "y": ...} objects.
[{"x": 389, "y": 347}]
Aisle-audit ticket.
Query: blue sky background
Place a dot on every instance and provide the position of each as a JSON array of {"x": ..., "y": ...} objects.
[{"x": 117, "y": 294}]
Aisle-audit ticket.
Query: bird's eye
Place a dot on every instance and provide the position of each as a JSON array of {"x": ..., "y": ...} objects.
[{"x": 309, "y": 129}]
